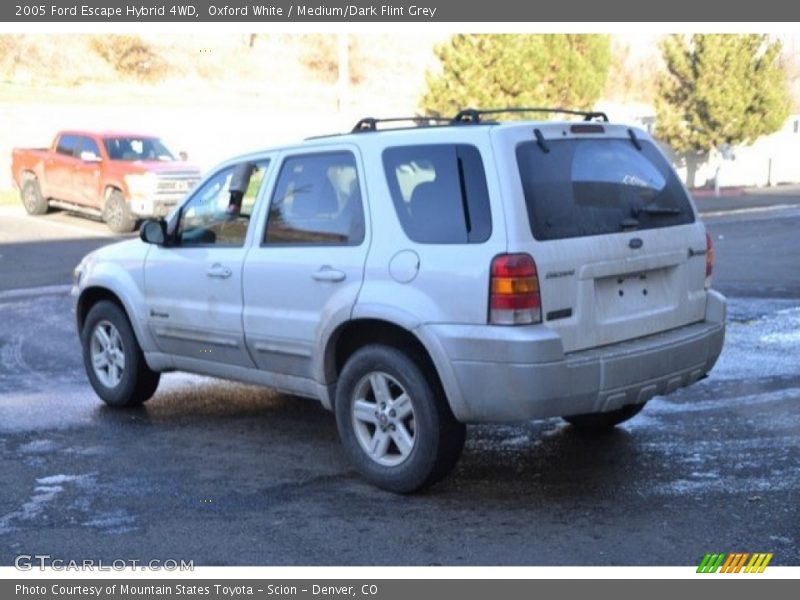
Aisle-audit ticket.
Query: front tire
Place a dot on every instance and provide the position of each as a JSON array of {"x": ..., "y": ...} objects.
[
  {"x": 118, "y": 214},
  {"x": 113, "y": 360},
  {"x": 394, "y": 422},
  {"x": 605, "y": 421},
  {"x": 32, "y": 199}
]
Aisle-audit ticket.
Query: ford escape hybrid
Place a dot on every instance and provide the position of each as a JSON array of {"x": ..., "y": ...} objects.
[{"x": 415, "y": 279}]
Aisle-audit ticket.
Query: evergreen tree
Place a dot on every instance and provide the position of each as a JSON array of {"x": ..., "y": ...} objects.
[
  {"x": 500, "y": 71},
  {"x": 719, "y": 90}
]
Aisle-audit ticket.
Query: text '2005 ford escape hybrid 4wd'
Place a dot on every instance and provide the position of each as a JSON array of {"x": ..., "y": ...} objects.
[{"x": 417, "y": 279}]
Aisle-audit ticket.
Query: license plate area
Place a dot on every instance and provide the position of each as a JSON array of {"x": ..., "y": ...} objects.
[{"x": 629, "y": 295}]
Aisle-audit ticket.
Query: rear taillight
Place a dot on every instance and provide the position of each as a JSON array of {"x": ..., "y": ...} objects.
[
  {"x": 514, "y": 291},
  {"x": 709, "y": 259}
]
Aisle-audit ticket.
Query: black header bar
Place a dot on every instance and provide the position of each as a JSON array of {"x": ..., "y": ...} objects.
[{"x": 397, "y": 11}]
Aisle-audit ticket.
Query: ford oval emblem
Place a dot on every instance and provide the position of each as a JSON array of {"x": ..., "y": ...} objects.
[{"x": 635, "y": 243}]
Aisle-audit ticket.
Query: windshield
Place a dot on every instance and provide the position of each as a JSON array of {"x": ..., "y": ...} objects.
[
  {"x": 137, "y": 148},
  {"x": 585, "y": 187}
]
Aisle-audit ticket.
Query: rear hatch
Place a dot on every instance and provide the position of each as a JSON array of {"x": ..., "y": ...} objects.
[{"x": 619, "y": 251}]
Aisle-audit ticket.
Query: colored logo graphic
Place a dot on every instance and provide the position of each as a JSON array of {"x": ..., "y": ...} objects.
[{"x": 735, "y": 562}]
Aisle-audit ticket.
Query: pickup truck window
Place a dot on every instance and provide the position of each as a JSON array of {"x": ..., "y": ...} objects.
[
  {"x": 137, "y": 148},
  {"x": 209, "y": 218},
  {"x": 317, "y": 200},
  {"x": 87, "y": 144},
  {"x": 67, "y": 144}
]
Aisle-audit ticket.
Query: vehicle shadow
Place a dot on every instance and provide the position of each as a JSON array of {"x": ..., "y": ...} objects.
[
  {"x": 215, "y": 407},
  {"x": 548, "y": 459},
  {"x": 537, "y": 460}
]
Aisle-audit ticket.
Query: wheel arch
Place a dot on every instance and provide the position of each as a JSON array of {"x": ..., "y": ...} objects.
[
  {"x": 26, "y": 175},
  {"x": 93, "y": 294},
  {"x": 111, "y": 187},
  {"x": 354, "y": 334}
]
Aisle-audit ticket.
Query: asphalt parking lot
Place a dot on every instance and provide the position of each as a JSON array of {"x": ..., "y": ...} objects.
[{"x": 228, "y": 474}]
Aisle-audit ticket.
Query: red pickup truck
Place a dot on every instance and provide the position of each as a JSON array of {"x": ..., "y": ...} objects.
[{"x": 120, "y": 177}]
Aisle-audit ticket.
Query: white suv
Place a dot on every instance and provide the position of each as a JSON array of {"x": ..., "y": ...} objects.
[{"x": 416, "y": 279}]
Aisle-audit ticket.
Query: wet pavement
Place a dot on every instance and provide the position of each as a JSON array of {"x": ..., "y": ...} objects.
[
  {"x": 229, "y": 474},
  {"x": 222, "y": 473}
]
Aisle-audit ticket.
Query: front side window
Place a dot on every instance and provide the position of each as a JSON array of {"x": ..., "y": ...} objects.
[
  {"x": 218, "y": 213},
  {"x": 439, "y": 192},
  {"x": 583, "y": 187},
  {"x": 88, "y": 147},
  {"x": 317, "y": 200}
]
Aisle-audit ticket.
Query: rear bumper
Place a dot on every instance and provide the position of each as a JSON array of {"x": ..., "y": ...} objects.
[{"x": 496, "y": 374}]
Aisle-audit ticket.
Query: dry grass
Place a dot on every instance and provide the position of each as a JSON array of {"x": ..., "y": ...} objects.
[
  {"x": 130, "y": 56},
  {"x": 320, "y": 57},
  {"x": 284, "y": 68}
]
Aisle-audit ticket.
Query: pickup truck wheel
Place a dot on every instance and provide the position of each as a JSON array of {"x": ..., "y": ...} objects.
[
  {"x": 113, "y": 359},
  {"x": 395, "y": 424},
  {"x": 118, "y": 215},
  {"x": 32, "y": 199},
  {"x": 599, "y": 422}
]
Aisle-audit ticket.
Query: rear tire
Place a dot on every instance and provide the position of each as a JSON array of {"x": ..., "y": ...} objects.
[
  {"x": 605, "y": 421},
  {"x": 32, "y": 199},
  {"x": 118, "y": 214},
  {"x": 114, "y": 360},
  {"x": 394, "y": 422}
]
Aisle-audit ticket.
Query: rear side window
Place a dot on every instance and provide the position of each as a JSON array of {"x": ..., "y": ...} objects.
[
  {"x": 67, "y": 145},
  {"x": 439, "y": 193},
  {"x": 583, "y": 187}
]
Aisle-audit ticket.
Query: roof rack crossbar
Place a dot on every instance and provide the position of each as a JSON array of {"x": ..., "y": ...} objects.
[
  {"x": 371, "y": 123},
  {"x": 473, "y": 115}
]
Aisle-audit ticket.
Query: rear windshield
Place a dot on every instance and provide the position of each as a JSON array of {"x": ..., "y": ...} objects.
[{"x": 582, "y": 187}]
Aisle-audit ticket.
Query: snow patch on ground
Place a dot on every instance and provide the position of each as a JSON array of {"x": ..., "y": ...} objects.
[
  {"x": 39, "y": 447},
  {"x": 56, "y": 479},
  {"x": 117, "y": 521},
  {"x": 761, "y": 340},
  {"x": 37, "y": 505},
  {"x": 47, "y": 493},
  {"x": 665, "y": 406}
]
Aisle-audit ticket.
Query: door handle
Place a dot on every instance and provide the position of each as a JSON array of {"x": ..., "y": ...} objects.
[
  {"x": 219, "y": 271},
  {"x": 327, "y": 273}
]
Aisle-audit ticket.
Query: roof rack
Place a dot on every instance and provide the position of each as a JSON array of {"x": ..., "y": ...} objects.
[
  {"x": 371, "y": 123},
  {"x": 473, "y": 115},
  {"x": 467, "y": 116}
]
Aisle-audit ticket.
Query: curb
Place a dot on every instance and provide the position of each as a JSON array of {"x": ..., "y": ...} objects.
[
  {"x": 723, "y": 193},
  {"x": 749, "y": 210},
  {"x": 44, "y": 290}
]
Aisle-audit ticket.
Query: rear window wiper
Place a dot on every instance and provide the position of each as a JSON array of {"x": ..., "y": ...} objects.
[
  {"x": 659, "y": 210},
  {"x": 629, "y": 223}
]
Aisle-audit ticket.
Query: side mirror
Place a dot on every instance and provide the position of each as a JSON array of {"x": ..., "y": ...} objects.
[
  {"x": 154, "y": 231},
  {"x": 87, "y": 156},
  {"x": 183, "y": 155}
]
